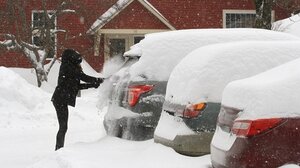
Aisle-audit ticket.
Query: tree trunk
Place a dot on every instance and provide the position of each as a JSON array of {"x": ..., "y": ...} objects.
[
  {"x": 39, "y": 82},
  {"x": 263, "y": 13}
]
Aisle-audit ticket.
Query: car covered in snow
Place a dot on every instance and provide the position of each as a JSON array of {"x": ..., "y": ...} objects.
[
  {"x": 259, "y": 121},
  {"x": 137, "y": 98},
  {"x": 194, "y": 91}
]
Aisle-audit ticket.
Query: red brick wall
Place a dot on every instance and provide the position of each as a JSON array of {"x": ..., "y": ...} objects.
[
  {"x": 202, "y": 13},
  {"x": 135, "y": 16}
]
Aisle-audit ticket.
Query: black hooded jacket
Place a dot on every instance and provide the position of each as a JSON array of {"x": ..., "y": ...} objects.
[{"x": 70, "y": 75}]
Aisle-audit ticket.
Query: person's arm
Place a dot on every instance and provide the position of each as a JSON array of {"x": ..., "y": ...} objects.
[
  {"x": 88, "y": 79},
  {"x": 88, "y": 85}
]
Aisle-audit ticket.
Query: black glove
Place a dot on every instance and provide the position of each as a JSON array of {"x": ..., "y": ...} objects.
[
  {"x": 99, "y": 80},
  {"x": 96, "y": 85}
]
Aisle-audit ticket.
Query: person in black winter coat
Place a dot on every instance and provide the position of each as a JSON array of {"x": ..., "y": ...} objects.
[{"x": 70, "y": 75}]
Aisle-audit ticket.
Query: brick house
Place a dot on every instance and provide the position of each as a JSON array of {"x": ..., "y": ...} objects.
[{"x": 103, "y": 28}]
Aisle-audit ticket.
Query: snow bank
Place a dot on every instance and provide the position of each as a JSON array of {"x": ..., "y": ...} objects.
[
  {"x": 24, "y": 105},
  {"x": 21, "y": 103},
  {"x": 162, "y": 51},
  {"x": 289, "y": 25},
  {"x": 274, "y": 93},
  {"x": 203, "y": 74}
]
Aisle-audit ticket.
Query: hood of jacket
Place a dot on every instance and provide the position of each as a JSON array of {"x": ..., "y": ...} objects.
[{"x": 71, "y": 56}]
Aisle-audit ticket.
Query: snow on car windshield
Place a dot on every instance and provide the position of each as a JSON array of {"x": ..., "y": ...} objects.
[
  {"x": 208, "y": 69},
  {"x": 274, "y": 93},
  {"x": 162, "y": 51}
]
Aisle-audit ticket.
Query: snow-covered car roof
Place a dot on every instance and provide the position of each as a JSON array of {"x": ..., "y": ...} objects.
[
  {"x": 162, "y": 51},
  {"x": 274, "y": 93},
  {"x": 203, "y": 74}
]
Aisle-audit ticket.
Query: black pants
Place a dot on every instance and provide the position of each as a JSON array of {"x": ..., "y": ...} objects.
[{"x": 62, "y": 116}]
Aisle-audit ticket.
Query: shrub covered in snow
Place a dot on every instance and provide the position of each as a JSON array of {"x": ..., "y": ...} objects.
[{"x": 289, "y": 25}]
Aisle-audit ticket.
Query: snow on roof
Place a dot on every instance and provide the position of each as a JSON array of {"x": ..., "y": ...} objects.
[
  {"x": 161, "y": 52},
  {"x": 118, "y": 7},
  {"x": 108, "y": 15},
  {"x": 289, "y": 25},
  {"x": 274, "y": 93},
  {"x": 203, "y": 74}
]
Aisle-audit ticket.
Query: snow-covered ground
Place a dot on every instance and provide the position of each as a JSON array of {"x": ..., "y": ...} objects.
[{"x": 28, "y": 127}]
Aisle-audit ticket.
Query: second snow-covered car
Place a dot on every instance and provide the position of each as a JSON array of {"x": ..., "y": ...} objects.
[
  {"x": 195, "y": 87},
  {"x": 137, "y": 99},
  {"x": 259, "y": 121}
]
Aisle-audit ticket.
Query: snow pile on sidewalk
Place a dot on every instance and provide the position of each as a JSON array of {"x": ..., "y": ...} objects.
[
  {"x": 28, "y": 123},
  {"x": 289, "y": 25},
  {"x": 21, "y": 104}
]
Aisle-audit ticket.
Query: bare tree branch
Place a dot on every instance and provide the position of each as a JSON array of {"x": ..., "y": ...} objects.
[{"x": 21, "y": 41}]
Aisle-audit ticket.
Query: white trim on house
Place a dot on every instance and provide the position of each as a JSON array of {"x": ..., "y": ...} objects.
[
  {"x": 130, "y": 31},
  {"x": 119, "y": 32},
  {"x": 235, "y": 11},
  {"x": 226, "y": 11},
  {"x": 118, "y": 7}
]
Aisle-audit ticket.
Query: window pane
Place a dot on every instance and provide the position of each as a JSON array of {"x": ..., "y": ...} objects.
[
  {"x": 116, "y": 47},
  {"x": 39, "y": 21},
  {"x": 137, "y": 39},
  {"x": 240, "y": 20}
]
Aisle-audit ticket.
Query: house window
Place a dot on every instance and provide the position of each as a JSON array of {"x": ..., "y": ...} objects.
[
  {"x": 137, "y": 39},
  {"x": 118, "y": 44},
  {"x": 240, "y": 18},
  {"x": 38, "y": 23}
]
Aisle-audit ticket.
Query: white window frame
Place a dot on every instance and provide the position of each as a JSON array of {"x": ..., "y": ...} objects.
[
  {"x": 107, "y": 33},
  {"x": 129, "y": 41},
  {"x": 55, "y": 28},
  {"x": 233, "y": 11}
]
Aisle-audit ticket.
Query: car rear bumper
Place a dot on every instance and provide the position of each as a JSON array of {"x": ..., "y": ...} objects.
[
  {"x": 191, "y": 145},
  {"x": 271, "y": 149},
  {"x": 135, "y": 127}
]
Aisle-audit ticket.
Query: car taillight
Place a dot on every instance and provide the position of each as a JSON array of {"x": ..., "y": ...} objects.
[
  {"x": 194, "y": 110},
  {"x": 249, "y": 128},
  {"x": 135, "y": 91}
]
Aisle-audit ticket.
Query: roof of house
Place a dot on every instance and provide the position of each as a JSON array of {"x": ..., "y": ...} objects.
[{"x": 121, "y": 5}]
